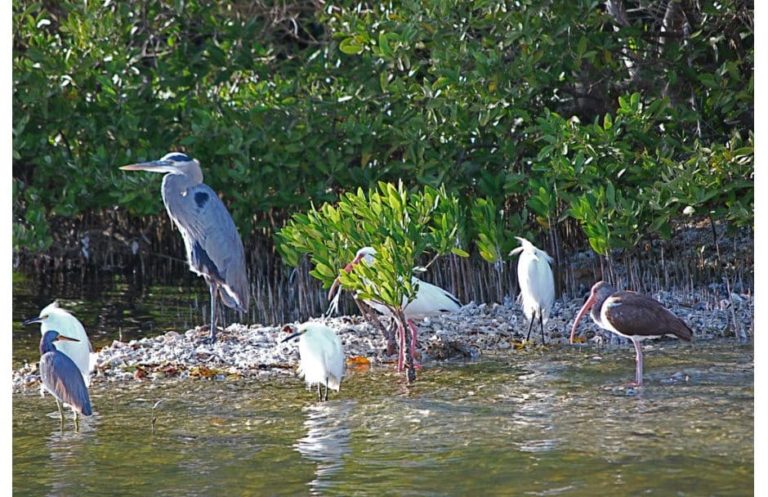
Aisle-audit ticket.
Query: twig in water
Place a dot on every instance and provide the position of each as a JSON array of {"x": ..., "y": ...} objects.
[{"x": 154, "y": 416}]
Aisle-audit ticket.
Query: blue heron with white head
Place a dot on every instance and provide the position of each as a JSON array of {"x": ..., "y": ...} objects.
[
  {"x": 61, "y": 377},
  {"x": 214, "y": 248},
  {"x": 53, "y": 317}
]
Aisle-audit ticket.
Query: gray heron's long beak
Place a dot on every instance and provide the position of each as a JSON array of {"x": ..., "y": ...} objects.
[
  {"x": 32, "y": 321},
  {"x": 155, "y": 166}
]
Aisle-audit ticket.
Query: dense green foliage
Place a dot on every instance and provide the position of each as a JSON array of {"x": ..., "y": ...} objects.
[
  {"x": 399, "y": 225},
  {"x": 557, "y": 112}
]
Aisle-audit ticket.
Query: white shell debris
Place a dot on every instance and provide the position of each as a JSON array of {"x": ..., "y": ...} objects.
[{"x": 256, "y": 351}]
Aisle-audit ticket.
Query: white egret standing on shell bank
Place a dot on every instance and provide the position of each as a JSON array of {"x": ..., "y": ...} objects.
[
  {"x": 53, "y": 317},
  {"x": 537, "y": 284}
]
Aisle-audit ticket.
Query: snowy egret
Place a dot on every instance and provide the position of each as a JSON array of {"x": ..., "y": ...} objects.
[
  {"x": 322, "y": 357},
  {"x": 631, "y": 315},
  {"x": 79, "y": 350},
  {"x": 61, "y": 377},
  {"x": 430, "y": 300},
  {"x": 537, "y": 284},
  {"x": 214, "y": 248}
]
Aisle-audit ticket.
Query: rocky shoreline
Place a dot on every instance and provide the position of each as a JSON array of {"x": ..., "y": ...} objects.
[{"x": 256, "y": 352}]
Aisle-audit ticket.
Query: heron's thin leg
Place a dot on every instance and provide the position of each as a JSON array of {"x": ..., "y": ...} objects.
[
  {"x": 61, "y": 413},
  {"x": 530, "y": 327},
  {"x": 319, "y": 395},
  {"x": 214, "y": 297},
  {"x": 638, "y": 362},
  {"x": 77, "y": 421},
  {"x": 541, "y": 321},
  {"x": 326, "y": 389}
]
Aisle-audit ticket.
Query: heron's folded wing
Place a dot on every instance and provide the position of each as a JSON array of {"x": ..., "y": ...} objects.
[{"x": 215, "y": 244}]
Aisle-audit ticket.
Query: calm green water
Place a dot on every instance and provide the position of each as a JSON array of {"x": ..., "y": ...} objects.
[{"x": 557, "y": 422}]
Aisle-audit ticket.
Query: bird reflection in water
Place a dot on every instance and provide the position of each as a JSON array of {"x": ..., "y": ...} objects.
[{"x": 327, "y": 440}]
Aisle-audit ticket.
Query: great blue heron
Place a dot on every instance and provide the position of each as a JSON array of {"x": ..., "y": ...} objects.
[
  {"x": 61, "y": 378},
  {"x": 322, "y": 357},
  {"x": 52, "y": 317},
  {"x": 214, "y": 248},
  {"x": 537, "y": 284}
]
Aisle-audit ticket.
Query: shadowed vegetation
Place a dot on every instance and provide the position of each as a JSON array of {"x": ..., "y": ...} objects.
[{"x": 574, "y": 122}]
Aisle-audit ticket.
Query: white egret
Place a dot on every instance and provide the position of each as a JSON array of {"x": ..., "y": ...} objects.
[
  {"x": 322, "y": 357},
  {"x": 52, "y": 317},
  {"x": 537, "y": 284}
]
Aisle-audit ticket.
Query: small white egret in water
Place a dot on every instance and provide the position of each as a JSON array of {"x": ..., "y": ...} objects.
[
  {"x": 79, "y": 349},
  {"x": 322, "y": 357},
  {"x": 537, "y": 284}
]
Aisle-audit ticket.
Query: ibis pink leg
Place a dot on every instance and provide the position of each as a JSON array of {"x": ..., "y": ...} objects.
[
  {"x": 414, "y": 342},
  {"x": 414, "y": 333},
  {"x": 414, "y": 337},
  {"x": 638, "y": 361},
  {"x": 401, "y": 346}
]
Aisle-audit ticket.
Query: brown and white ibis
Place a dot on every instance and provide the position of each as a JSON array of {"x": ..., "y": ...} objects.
[
  {"x": 631, "y": 315},
  {"x": 537, "y": 284},
  {"x": 430, "y": 301}
]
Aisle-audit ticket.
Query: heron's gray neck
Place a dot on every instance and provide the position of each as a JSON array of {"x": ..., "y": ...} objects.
[{"x": 179, "y": 183}]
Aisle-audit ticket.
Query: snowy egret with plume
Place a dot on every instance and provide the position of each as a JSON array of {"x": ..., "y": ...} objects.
[
  {"x": 537, "y": 284},
  {"x": 322, "y": 357}
]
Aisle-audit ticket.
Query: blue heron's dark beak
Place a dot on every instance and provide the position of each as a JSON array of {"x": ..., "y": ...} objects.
[
  {"x": 291, "y": 337},
  {"x": 66, "y": 339},
  {"x": 32, "y": 321}
]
